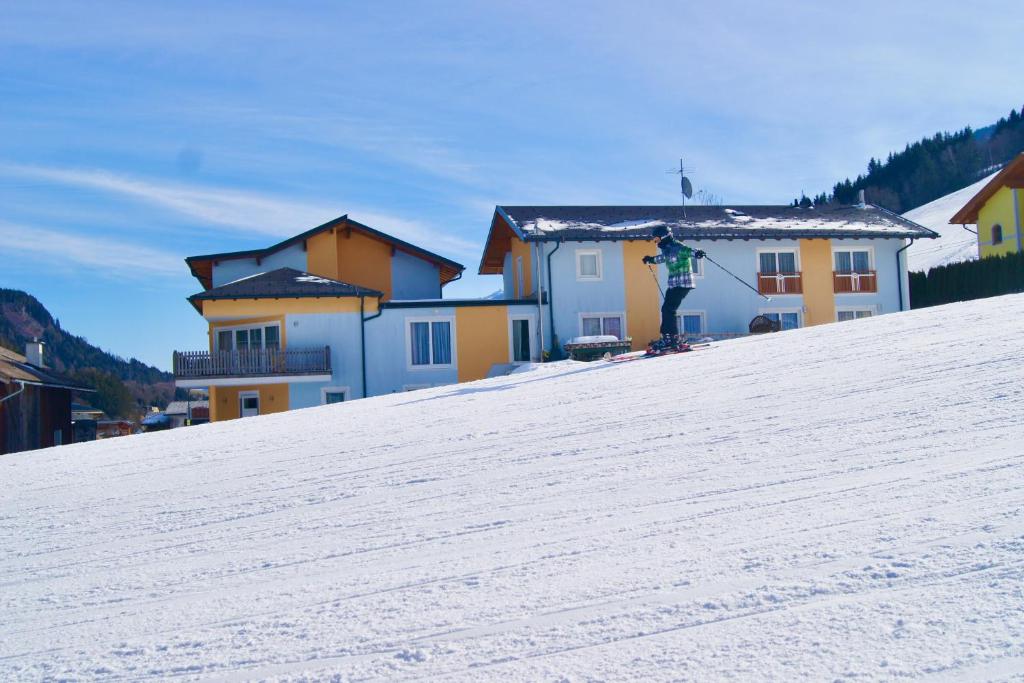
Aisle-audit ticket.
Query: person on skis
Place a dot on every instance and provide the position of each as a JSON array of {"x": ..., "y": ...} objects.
[{"x": 677, "y": 257}]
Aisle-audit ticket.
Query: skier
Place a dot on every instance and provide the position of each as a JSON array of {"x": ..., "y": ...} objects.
[{"x": 676, "y": 256}]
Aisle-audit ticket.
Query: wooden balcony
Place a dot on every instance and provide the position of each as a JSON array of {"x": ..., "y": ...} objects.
[
  {"x": 196, "y": 367},
  {"x": 845, "y": 283},
  {"x": 780, "y": 283}
]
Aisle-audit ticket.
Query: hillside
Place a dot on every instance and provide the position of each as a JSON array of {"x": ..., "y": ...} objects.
[
  {"x": 955, "y": 243},
  {"x": 835, "y": 502},
  {"x": 23, "y": 317},
  {"x": 933, "y": 167}
]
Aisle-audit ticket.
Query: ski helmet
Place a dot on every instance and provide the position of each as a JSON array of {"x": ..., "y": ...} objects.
[{"x": 660, "y": 231}]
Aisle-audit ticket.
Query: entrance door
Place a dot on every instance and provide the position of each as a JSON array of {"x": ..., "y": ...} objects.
[
  {"x": 523, "y": 342},
  {"x": 249, "y": 403}
]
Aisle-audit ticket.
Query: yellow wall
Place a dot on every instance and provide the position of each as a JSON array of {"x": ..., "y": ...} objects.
[
  {"x": 643, "y": 300},
  {"x": 998, "y": 210},
  {"x": 352, "y": 257},
  {"x": 521, "y": 249},
  {"x": 224, "y": 400},
  {"x": 819, "y": 289},
  {"x": 481, "y": 339},
  {"x": 230, "y": 310}
]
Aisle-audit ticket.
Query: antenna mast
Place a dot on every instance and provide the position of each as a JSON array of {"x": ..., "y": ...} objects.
[{"x": 685, "y": 188}]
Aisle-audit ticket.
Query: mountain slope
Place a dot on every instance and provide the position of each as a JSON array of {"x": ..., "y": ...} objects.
[
  {"x": 833, "y": 502},
  {"x": 955, "y": 243},
  {"x": 23, "y": 317}
]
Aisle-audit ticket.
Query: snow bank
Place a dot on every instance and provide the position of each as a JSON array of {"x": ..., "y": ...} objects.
[
  {"x": 834, "y": 502},
  {"x": 955, "y": 243}
]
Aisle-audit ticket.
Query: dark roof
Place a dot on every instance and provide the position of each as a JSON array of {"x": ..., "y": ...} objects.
[
  {"x": 708, "y": 222},
  {"x": 283, "y": 283},
  {"x": 342, "y": 221},
  {"x": 13, "y": 367}
]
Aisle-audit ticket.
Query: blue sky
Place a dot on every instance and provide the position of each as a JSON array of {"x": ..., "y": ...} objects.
[{"x": 132, "y": 136}]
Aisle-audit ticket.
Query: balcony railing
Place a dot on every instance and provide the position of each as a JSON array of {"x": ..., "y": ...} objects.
[
  {"x": 252, "y": 363},
  {"x": 780, "y": 283},
  {"x": 865, "y": 281}
]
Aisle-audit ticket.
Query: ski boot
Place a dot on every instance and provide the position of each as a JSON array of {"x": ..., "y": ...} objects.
[{"x": 669, "y": 343}]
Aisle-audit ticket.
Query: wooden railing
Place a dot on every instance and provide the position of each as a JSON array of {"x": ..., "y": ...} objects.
[
  {"x": 252, "y": 363},
  {"x": 780, "y": 283},
  {"x": 865, "y": 281}
]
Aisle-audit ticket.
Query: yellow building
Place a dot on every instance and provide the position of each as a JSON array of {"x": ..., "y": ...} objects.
[{"x": 997, "y": 210}]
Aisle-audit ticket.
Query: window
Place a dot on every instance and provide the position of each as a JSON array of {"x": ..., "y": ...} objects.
[
  {"x": 249, "y": 337},
  {"x": 852, "y": 271},
  {"x": 588, "y": 264},
  {"x": 594, "y": 324},
  {"x": 58, "y": 437},
  {"x": 997, "y": 233},
  {"x": 690, "y": 323},
  {"x": 519, "y": 277},
  {"x": 248, "y": 403},
  {"x": 430, "y": 343},
  {"x": 778, "y": 272},
  {"x": 790, "y": 320},
  {"x": 843, "y": 314},
  {"x": 329, "y": 395}
]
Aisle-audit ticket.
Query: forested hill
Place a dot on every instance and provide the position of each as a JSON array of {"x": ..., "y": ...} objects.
[
  {"x": 933, "y": 167},
  {"x": 23, "y": 317}
]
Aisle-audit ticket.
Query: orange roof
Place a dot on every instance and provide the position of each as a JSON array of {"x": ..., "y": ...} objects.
[{"x": 1011, "y": 176}]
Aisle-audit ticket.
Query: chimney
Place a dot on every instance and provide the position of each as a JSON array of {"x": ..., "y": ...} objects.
[
  {"x": 860, "y": 199},
  {"x": 34, "y": 353}
]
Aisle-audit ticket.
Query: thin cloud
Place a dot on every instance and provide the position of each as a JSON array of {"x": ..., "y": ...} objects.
[
  {"x": 242, "y": 211},
  {"x": 113, "y": 257}
]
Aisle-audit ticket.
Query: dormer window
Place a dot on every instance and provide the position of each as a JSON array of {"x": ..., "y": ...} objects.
[{"x": 997, "y": 234}]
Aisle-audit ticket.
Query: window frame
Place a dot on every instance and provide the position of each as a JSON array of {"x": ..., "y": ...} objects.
[
  {"x": 333, "y": 390},
  {"x": 703, "y": 321},
  {"x": 781, "y": 309},
  {"x": 871, "y": 258},
  {"x": 233, "y": 329},
  {"x": 242, "y": 395},
  {"x": 531, "y": 320},
  {"x": 871, "y": 310},
  {"x": 621, "y": 315},
  {"x": 450, "y": 319},
  {"x": 600, "y": 266}
]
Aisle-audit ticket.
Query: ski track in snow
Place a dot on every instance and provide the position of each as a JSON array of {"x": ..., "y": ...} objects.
[{"x": 837, "y": 502}]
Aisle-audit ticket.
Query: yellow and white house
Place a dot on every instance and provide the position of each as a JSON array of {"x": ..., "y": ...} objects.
[
  {"x": 818, "y": 265},
  {"x": 997, "y": 210},
  {"x": 340, "y": 312},
  {"x": 344, "y": 311}
]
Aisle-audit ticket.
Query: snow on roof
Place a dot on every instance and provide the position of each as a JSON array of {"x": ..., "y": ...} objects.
[
  {"x": 710, "y": 222},
  {"x": 832, "y": 502}
]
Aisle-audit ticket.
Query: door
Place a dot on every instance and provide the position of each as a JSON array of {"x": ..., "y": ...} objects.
[
  {"x": 249, "y": 403},
  {"x": 524, "y": 344}
]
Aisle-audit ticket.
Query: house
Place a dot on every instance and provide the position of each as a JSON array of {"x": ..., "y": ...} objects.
[
  {"x": 817, "y": 265},
  {"x": 35, "y": 402},
  {"x": 344, "y": 311},
  {"x": 997, "y": 210},
  {"x": 182, "y": 413},
  {"x": 339, "y": 312}
]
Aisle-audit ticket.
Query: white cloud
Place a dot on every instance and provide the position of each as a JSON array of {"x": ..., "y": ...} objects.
[
  {"x": 247, "y": 212},
  {"x": 113, "y": 257}
]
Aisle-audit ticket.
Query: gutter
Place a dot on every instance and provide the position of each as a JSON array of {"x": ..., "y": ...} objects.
[
  {"x": 362, "y": 333},
  {"x": 538, "y": 278},
  {"x": 1016, "y": 219},
  {"x": 899, "y": 271},
  {"x": 555, "y": 353},
  {"x": 10, "y": 396}
]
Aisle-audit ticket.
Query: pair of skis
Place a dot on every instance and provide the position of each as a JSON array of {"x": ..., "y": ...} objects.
[{"x": 640, "y": 355}]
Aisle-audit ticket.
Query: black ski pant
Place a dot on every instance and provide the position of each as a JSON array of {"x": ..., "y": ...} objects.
[{"x": 673, "y": 297}]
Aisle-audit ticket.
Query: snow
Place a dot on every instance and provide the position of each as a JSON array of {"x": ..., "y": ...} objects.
[
  {"x": 955, "y": 243},
  {"x": 594, "y": 339},
  {"x": 836, "y": 502},
  {"x": 315, "y": 279}
]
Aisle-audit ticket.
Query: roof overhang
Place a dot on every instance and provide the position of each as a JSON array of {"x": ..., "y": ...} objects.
[
  {"x": 1011, "y": 176},
  {"x": 498, "y": 243}
]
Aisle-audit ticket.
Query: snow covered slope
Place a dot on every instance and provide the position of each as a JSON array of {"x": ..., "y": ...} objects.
[
  {"x": 955, "y": 243},
  {"x": 833, "y": 502}
]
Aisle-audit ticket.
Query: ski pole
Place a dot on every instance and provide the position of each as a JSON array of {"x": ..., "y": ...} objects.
[
  {"x": 741, "y": 280},
  {"x": 654, "y": 274}
]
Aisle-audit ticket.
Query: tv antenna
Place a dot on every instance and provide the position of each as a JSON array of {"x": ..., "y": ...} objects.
[{"x": 684, "y": 183}]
